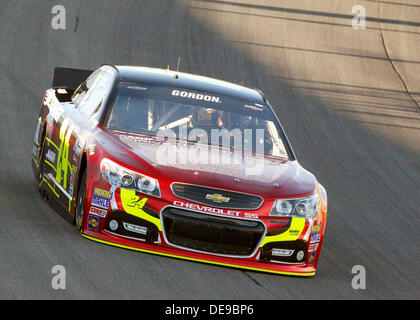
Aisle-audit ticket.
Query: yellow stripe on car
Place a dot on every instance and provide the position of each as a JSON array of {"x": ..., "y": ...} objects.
[
  {"x": 51, "y": 142},
  {"x": 52, "y": 189},
  {"x": 292, "y": 234},
  {"x": 36, "y": 163},
  {"x": 51, "y": 165}
]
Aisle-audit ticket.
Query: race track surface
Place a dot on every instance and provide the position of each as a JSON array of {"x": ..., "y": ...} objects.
[{"x": 348, "y": 100}]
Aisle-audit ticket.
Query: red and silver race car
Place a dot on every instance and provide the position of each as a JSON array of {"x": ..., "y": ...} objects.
[{"x": 178, "y": 165}]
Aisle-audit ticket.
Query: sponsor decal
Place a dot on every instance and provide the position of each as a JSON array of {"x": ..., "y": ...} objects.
[
  {"x": 128, "y": 138},
  {"x": 98, "y": 212},
  {"x": 313, "y": 247},
  {"x": 230, "y": 213},
  {"x": 72, "y": 178},
  {"x": 100, "y": 202},
  {"x": 93, "y": 223},
  {"x": 311, "y": 259},
  {"x": 61, "y": 91},
  {"x": 50, "y": 156},
  {"x": 294, "y": 232},
  {"x": 316, "y": 228},
  {"x": 315, "y": 237},
  {"x": 102, "y": 193},
  {"x": 196, "y": 96},
  {"x": 297, "y": 224}
]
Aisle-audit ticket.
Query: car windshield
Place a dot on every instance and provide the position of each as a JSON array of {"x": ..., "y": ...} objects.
[{"x": 198, "y": 117}]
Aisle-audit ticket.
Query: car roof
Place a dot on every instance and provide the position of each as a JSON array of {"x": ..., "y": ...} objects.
[{"x": 187, "y": 81}]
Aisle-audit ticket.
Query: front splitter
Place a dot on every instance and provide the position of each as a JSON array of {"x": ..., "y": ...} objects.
[{"x": 128, "y": 244}]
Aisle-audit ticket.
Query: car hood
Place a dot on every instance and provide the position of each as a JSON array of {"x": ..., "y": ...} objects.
[{"x": 220, "y": 168}]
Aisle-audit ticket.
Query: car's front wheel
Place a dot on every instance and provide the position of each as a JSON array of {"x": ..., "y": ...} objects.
[{"x": 80, "y": 208}]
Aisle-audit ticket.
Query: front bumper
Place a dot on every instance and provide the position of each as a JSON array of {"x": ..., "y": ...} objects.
[{"x": 289, "y": 246}]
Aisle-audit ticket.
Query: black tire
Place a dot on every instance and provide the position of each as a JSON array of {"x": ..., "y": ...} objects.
[
  {"x": 41, "y": 158},
  {"x": 79, "y": 214}
]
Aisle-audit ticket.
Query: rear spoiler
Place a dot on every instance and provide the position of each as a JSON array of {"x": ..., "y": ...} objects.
[{"x": 69, "y": 78}]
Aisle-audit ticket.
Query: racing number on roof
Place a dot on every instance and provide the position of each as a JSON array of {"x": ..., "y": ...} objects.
[{"x": 63, "y": 153}]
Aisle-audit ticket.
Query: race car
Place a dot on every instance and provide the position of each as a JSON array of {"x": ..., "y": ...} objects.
[{"x": 179, "y": 165}]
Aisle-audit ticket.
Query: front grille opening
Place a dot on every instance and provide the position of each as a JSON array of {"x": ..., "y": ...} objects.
[{"x": 212, "y": 234}]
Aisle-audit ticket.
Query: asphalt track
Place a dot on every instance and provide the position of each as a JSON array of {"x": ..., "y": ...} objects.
[{"x": 348, "y": 99}]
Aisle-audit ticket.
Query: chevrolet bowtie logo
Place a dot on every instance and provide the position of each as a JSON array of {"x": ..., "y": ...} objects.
[{"x": 218, "y": 198}]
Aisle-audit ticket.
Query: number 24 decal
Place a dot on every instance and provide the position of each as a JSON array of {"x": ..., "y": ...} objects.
[{"x": 63, "y": 164}]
